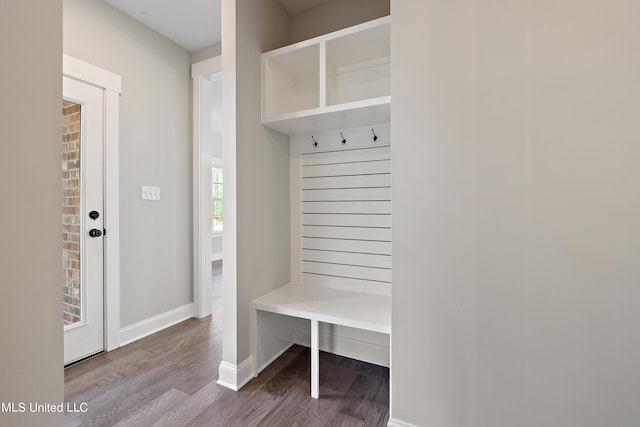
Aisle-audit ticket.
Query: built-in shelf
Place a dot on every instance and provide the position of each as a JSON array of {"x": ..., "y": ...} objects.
[{"x": 338, "y": 80}]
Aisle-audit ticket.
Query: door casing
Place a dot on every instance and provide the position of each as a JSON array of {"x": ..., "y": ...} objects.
[{"x": 201, "y": 207}]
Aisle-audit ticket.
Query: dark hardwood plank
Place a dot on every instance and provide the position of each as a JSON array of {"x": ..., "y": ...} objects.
[
  {"x": 87, "y": 366},
  {"x": 379, "y": 414},
  {"x": 154, "y": 410},
  {"x": 120, "y": 402},
  {"x": 195, "y": 375},
  {"x": 280, "y": 384},
  {"x": 342, "y": 420},
  {"x": 336, "y": 377},
  {"x": 361, "y": 395},
  {"x": 189, "y": 409},
  {"x": 106, "y": 377},
  {"x": 225, "y": 411}
]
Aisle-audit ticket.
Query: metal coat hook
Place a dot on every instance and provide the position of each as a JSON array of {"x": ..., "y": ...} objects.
[
  {"x": 344, "y": 141},
  {"x": 375, "y": 137},
  {"x": 315, "y": 143}
]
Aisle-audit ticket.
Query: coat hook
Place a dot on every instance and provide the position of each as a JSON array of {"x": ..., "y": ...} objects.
[
  {"x": 315, "y": 143},
  {"x": 375, "y": 137},
  {"x": 344, "y": 141}
]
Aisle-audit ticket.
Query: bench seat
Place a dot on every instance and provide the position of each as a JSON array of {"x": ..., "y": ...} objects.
[{"x": 360, "y": 310}]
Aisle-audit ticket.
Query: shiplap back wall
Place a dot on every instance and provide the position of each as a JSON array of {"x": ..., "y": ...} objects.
[{"x": 344, "y": 204}]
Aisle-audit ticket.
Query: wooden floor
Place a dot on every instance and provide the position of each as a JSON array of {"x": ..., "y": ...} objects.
[{"x": 168, "y": 379}]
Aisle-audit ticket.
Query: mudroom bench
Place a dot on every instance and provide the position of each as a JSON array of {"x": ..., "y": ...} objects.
[{"x": 371, "y": 312}]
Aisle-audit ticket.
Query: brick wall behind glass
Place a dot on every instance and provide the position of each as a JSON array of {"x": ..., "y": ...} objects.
[{"x": 71, "y": 211}]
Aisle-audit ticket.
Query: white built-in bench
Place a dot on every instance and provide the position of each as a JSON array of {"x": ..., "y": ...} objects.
[{"x": 360, "y": 310}]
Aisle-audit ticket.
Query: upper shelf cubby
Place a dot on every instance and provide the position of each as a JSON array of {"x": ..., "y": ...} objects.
[
  {"x": 334, "y": 81},
  {"x": 291, "y": 81}
]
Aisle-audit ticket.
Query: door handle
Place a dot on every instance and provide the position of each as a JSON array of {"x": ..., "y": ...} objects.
[{"x": 94, "y": 232}]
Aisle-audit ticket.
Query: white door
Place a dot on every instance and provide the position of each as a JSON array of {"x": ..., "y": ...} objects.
[{"x": 82, "y": 217}]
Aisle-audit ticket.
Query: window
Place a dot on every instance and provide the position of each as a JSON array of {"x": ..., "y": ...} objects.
[{"x": 216, "y": 197}]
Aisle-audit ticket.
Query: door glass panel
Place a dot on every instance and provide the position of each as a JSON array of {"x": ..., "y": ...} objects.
[{"x": 71, "y": 297}]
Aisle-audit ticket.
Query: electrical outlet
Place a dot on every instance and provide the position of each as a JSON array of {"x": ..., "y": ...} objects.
[{"x": 150, "y": 193}]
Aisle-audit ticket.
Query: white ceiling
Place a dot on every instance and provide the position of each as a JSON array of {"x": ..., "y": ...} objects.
[{"x": 192, "y": 24}]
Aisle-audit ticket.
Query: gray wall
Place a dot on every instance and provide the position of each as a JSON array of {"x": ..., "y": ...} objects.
[
  {"x": 260, "y": 183},
  {"x": 155, "y": 149},
  {"x": 30, "y": 219},
  {"x": 516, "y": 213},
  {"x": 335, "y": 15}
]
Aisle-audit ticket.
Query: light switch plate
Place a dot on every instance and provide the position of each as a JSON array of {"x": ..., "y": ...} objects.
[{"x": 150, "y": 193}]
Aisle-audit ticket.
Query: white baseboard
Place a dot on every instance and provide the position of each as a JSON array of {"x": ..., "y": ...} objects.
[
  {"x": 149, "y": 326},
  {"x": 233, "y": 376},
  {"x": 344, "y": 346},
  {"x": 397, "y": 423},
  {"x": 216, "y": 256}
]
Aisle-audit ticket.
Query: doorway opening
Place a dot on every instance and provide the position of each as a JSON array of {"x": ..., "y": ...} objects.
[{"x": 208, "y": 188}]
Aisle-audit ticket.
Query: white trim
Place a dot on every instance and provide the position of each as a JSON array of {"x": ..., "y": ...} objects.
[
  {"x": 315, "y": 359},
  {"x": 153, "y": 324},
  {"x": 344, "y": 346},
  {"x": 230, "y": 298},
  {"x": 89, "y": 73},
  {"x": 235, "y": 377},
  {"x": 391, "y": 375},
  {"x": 112, "y": 85},
  {"x": 201, "y": 221},
  {"x": 217, "y": 162},
  {"x": 112, "y": 220},
  {"x": 398, "y": 423},
  {"x": 216, "y": 256},
  {"x": 208, "y": 66}
]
